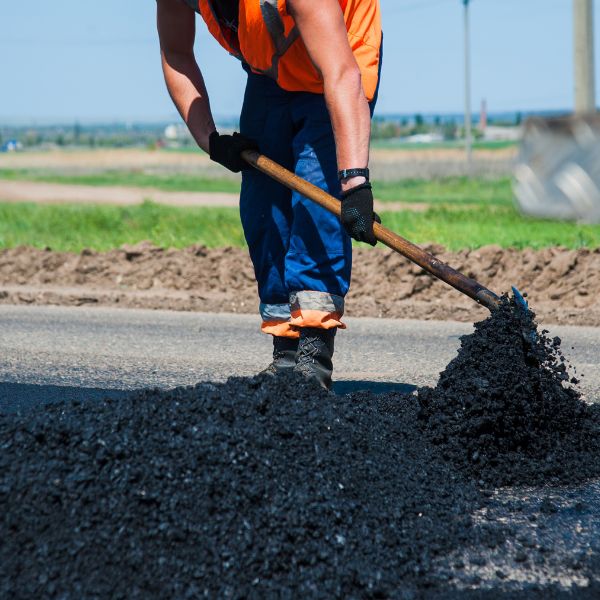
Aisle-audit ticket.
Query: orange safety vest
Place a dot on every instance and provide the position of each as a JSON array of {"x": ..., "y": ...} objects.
[{"x": 269, "y": 42}]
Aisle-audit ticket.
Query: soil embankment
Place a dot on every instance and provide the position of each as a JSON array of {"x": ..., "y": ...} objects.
[{"x": 564, "y": 284}]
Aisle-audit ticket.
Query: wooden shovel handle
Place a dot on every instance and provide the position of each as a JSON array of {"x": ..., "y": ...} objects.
[{"x": 426, "y": 261}]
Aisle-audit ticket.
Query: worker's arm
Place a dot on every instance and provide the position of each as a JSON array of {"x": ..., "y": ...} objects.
[
  {"x": 177, "y": 30},
  {"x": 176, "y": 24},
  {"x": 323, "y": 31}
]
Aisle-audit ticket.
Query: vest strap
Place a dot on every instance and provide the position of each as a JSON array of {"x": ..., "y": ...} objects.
[{"x": 276, "y": 29}]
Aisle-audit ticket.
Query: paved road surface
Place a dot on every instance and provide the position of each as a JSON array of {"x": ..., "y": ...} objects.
[{"x": 48, "y": 353}]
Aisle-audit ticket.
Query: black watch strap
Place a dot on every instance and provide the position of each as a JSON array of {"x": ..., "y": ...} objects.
[{"x": 346, "y": 173}]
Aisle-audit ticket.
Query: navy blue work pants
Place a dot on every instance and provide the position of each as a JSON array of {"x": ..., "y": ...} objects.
[{"x": 301, "y": 254}]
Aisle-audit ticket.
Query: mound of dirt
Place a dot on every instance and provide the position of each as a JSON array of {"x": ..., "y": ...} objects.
[
  {"x": 564, "y": 283},
  {"x": 506, "y": 408}
]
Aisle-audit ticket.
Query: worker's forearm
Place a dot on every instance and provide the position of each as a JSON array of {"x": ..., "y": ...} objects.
[
  {"x": 351, "y": 119},
  {"x": 186, "y": 87}
]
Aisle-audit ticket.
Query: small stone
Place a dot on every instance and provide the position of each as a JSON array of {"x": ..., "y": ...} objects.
[{"x": 520, "y": 556}]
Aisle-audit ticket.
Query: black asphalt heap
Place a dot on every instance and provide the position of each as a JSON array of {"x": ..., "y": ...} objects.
[
  {"x": 255, "y": 486},
  {"x": 270, "y": 487},
  {"x": 506, "y": 408}
]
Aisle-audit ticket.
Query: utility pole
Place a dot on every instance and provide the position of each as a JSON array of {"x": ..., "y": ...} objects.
[
  {"x": 468, "y": 133},
  {"x": 583, "y": 33}
]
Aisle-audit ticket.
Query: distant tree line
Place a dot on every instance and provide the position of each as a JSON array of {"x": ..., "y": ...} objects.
[
  {"x": 120, "y": 135},
  {"x": 77, "y": 135},
  {"x": 385, "y": 128}
]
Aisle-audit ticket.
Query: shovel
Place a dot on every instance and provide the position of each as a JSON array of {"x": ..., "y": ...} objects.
[{"x": 392, "y": 240}]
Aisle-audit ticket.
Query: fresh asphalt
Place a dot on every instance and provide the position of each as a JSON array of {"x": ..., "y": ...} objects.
[
  {"x": 51, "y": 353},
  {"x": 54, "y": 353}
]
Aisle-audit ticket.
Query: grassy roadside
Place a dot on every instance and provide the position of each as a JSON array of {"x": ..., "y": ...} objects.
[
  {"x": 394, "y": 144},
  {"x": 451, "y": 190},
  {"x": 176, "y": 182},
  {"x": 472, "y": 228},
  {"x": 74, "y": 227}
]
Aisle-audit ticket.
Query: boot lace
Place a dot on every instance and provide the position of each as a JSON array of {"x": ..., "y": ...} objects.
[{"x": 311, "y": 347}]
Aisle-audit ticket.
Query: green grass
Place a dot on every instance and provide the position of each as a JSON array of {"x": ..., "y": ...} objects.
[
  {"x": 74, "y": 227},
  {"x": 505, "y": 226},
  {"x": 177, "y": 182},
  {"x": 449, "y": 190},
  {"x": 191, "y": 149},
  {"x": 477, "y": 145}
]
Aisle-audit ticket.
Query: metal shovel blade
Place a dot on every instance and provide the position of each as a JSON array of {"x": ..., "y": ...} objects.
[
  {"x": 529, "y": 336},
  {"x": 519, "y": 300}
]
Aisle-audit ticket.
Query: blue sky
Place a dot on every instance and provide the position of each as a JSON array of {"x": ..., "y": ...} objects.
[{"x": 70, "y": 60}]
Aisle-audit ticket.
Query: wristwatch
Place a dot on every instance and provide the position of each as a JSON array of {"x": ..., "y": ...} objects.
[{"x": 347, "y": 173}]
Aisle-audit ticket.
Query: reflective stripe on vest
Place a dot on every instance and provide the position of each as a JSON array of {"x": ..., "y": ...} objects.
[{"x": 276, "y": 28}]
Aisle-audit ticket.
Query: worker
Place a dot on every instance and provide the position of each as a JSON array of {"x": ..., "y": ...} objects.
[{"x": 313, "y": 75}]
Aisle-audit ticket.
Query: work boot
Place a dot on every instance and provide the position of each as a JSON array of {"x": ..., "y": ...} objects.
[
  {"x": 315, "y": 353},
  {"x": 284, "y": 355}
]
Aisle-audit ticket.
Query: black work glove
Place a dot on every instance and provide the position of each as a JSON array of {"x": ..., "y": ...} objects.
[
  {"x": 357, "y": 213},
  {"x": 227, "y": 149}
]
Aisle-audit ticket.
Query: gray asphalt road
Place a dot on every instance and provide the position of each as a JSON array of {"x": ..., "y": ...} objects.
[{"x": 51, "y": 352}]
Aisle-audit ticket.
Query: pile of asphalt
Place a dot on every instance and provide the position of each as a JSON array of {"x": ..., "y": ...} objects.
[
  {"x": 270, "y": 487},
  {"x": 245, "y": 489},
  {"x": 507, "y": 409}
]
